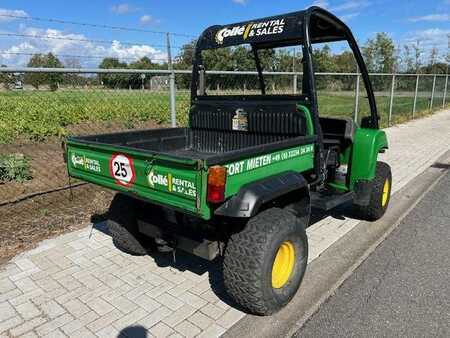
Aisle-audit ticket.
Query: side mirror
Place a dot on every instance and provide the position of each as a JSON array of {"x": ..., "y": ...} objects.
[{"x": 366, "y": 122}]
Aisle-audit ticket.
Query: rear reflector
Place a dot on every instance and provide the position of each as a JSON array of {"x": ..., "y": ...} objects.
[{"x": 217, "y": 177}]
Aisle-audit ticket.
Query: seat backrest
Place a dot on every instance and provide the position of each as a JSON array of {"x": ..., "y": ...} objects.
[{"x": 211, "y": 124}]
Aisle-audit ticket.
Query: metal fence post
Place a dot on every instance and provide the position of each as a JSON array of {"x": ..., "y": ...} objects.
[
  {"x": 355, "y": 117},
  {"x": 432, "y": 92},
  {"x": 415, "y": 96},
  {"x": 392, "y": 100},
  {"x": 445, "y": 91},
  {"x": 172, "y": 94},
  {"x": 294, "y": 83}
]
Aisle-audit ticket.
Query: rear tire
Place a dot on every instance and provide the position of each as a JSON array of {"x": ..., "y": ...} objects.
[
  {"x": 123, "y": 226},
  {"x": 380, "y": 194},
  {"x": 252, "y": 254}
]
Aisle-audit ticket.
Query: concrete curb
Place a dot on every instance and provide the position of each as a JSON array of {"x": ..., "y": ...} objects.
[{"x": 327, "y": 272}]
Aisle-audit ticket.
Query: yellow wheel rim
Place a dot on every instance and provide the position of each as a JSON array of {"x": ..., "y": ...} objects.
[
  {"x": 283, "y": 265},
  {"x": 385, "y": 196}
]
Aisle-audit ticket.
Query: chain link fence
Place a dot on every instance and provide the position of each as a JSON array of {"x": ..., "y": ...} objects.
[{"x": 39, "y": 107}]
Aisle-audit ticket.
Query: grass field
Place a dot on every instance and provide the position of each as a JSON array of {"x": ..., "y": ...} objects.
[{"x": 38, "y": 115}]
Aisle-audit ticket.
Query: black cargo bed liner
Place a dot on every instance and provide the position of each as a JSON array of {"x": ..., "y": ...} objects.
[{"x": 176, "y": 143}]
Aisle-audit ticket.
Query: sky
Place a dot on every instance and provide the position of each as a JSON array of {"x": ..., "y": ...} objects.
[{"x": 404, "y": 21}]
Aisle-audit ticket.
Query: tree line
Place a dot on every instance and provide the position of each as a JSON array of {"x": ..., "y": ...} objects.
[{"x": 380, "y": 54}]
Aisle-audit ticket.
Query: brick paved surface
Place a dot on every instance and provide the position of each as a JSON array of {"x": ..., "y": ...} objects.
[{"x": 80, "y": 285}]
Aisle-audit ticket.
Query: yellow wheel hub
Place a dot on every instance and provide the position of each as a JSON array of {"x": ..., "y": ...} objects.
[
  {"x": 385, "y": 196},
  {"x": 283, "y": 265}
]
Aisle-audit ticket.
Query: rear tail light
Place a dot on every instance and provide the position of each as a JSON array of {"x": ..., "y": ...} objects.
[{"x": 217, "y": 177}]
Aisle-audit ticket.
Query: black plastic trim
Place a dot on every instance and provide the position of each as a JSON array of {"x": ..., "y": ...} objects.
[
  {"x": 327, "y": 200},
  {"x": 247, "y": 202}
]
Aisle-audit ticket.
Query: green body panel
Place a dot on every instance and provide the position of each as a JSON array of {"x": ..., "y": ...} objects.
[
  {"x": 157, "y": 178},
  {"x": 182, "y": 183},
  {"x": 309, "y": 121},
  {"x": 173, "y": 182},
  {"x": 240, "y": 173},
  {"x": 366, "y": 146}
]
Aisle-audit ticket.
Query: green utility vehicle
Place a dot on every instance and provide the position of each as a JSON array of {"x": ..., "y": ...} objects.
[{"x": 241, "y": 179}]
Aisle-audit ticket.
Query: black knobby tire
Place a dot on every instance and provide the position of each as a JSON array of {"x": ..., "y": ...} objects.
[
  {"x": 250, "y": 255},
  {"x": 123, "y": 227},
  {"x": 376, "y": 209}
]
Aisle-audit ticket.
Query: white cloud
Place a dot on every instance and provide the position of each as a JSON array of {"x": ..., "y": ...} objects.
[
  {"x": 431, "y": 17},
  {"x": 135, "y": 51},
  {"x": 240, "y": 2},
  {"x": 349, "y": 16},
  {"x": 123, "y": 8},
  {"x": 351, "y": 5},
  {"x": 60, "y": 46},
  {"x": 147, "y": 20},
  {"x": 428, "y": 38},
  {"x": 321, "y": 3},
  {"x": 12, "y": 12}
]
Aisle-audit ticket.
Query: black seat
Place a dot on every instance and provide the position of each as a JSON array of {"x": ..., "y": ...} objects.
[{"x": 336, "y": 130}]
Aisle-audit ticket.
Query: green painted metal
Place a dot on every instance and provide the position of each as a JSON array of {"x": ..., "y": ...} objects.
[
  {"x": 160, "y": 179},
  {"x": 247, "y": 170},
  {"x": 366, "y": 146},
  {"x": 175, "y": 183},
  {"x": 309, "y": 121},
  {"x": 182, "y": 183}
]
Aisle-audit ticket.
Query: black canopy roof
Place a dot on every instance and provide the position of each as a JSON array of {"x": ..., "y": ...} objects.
[{"x": 276, "y": 31}]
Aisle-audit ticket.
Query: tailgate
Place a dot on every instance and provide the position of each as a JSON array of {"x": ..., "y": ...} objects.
[{"x": 157, "y": 178}]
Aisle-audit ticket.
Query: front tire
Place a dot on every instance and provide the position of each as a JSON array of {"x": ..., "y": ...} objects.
[
  {"x": 380, "y": 194},
  {"x": 264, "y": 263},
  {"x": 123, "y": 226}
]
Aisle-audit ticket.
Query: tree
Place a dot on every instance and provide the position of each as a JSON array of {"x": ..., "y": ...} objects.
[
  {"x": 417, "y": 56},
  {"x": 136, "y": 80},
  {"x": 433, "y": 59},
  {"x": 184, "y": 61},
  {"x": 38, "y": 79},
  {"x": 72, "y": 79},
  {"x": 346, "y": 63},
  {"x": 379, "y": 54},
  {"x": 407, "y": 59},
  {"x": 186, "y": 56},
  {"x": 113, "y": 80},
  {"x": 7, "y": 79}
]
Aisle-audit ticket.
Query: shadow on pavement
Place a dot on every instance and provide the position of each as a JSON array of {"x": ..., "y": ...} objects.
[
  {"x": 341, "y": 213},
  {"x": 439, "y": 165},
  {"x": 183, "y": 261},
  {"x": 134, "y": 332}
]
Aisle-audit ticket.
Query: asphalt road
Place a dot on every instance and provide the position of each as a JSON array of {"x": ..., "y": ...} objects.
[{"x": 403, "y": 288}]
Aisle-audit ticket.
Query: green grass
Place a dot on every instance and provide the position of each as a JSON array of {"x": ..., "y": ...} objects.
[
  {"x": 14, "y": 167},
  {"x": 340, "y": 106},
  {"x": 38, "y": 115}
]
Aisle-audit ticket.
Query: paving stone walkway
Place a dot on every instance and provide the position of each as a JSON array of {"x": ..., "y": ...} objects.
[{"x": 80, "y": 285}]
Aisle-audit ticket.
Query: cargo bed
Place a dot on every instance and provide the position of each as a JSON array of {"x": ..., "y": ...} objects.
[
  {"x": 169, "y": 166},
  {"x": 179, "y": 143}
]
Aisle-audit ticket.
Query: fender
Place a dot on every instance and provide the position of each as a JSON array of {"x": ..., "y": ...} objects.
[
  {"x": 249, "y": 199},
  {"x": 366, "y": 146}
]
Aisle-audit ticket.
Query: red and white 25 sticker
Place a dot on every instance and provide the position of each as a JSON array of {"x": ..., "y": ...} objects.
[{"x": 121, "y": 168}]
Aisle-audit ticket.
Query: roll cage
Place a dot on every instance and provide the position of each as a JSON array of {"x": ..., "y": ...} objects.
[{"x": 313, "y": 25}]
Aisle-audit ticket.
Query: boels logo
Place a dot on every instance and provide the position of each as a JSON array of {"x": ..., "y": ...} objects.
[{"x": 251, "y": 29}]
